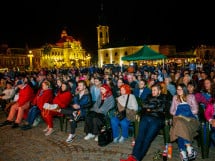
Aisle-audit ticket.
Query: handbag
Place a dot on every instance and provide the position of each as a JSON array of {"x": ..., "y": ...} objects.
[
  {"x": 130, "y": 114},
  {"x": 122, "y": 114},
  {"x": 105, "y": 137}
]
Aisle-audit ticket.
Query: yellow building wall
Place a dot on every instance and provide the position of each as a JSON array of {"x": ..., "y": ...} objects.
[{"x": 113, "y": 55}]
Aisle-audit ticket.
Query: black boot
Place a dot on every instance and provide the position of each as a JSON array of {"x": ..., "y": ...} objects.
[
  {"x": 26, "y": 127},
  {"x": 7, "y": 122},
  {"x": 15, "y": 125}
]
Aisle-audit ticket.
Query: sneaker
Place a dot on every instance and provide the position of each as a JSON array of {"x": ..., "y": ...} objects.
[
  {"x": 46, "y": 129},
  {"x": 89, "y": 136},
  {"x": 183, "y": 156},
  {"x": 96, "y": 138},
  {"x": 70, "y": 138},
  {"x": 192, "y": 155},
  {"x": 37, "y": 121},
  {"x": 49, "y": 132},
  {"x": 121, "y": 139},
  {"x": 7, "y": 122},
  {"x": 116, "y": 140}
]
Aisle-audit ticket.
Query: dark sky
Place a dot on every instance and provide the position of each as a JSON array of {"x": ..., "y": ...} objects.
[{"x": 37, "y": 22}]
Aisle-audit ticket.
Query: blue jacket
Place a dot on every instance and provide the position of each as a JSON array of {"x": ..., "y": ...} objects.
[
  {"x": 85, "y": 102},
  {"x": 144, "y": 94}
]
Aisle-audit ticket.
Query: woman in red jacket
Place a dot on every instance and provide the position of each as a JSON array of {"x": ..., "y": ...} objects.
[
  {"x": 44, "y": 95},
  {"x": 62, "y": 99}
]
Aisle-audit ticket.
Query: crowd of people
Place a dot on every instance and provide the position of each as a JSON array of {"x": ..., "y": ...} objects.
[{"x": 154, "y": 93}]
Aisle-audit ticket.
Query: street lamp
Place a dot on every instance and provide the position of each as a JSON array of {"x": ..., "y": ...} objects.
[
  {"x": 30, "y": 55},
  {"x": 88, "y": 59}
]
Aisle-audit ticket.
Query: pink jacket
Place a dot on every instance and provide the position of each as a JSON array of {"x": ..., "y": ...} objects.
[
  {"x": 209, "y": 112},
  {"x": 191, "y": 100}
]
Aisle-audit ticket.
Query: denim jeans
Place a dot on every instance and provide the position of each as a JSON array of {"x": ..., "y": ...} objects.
[
  {"x": 213, "y": 135},
  {"x": 182, "y": 143},
  {"x": 116, "y": 124},
  {"x": 32, "y": 114},
  {"x": 149, "y": 128}
]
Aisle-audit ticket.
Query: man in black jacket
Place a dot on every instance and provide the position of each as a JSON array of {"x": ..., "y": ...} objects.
[{"x": 152, "y": 121}]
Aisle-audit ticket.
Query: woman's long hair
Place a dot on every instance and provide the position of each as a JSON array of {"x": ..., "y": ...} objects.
[
  {"x": 108, "y": 91},
  {"x": 212, "y": 89},
  {"x": 185, "y": 92},
  {"x": 67, "y": 87}
]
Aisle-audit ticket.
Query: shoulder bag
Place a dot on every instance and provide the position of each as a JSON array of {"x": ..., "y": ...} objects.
[{"x": 121, "y": 114}]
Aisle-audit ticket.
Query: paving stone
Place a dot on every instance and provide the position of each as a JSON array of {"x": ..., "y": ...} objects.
[{"x": 33, "y": 145}]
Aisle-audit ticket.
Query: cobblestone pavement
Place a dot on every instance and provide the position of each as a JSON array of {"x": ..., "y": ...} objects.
[{"x": 33, "y": 145}]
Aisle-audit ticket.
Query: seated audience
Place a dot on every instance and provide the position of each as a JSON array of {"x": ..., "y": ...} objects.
[
  {"x": 141, "y": 92},
  {"x": 125, "y": 91},
  {"x": 152, "y": 121},
  {"x": 7, "y": 94},
  {"x": 184, "y": 109},
  {"x": 44, "y": 95},
  {"x": 26, "y": 95},
  {"x": 81, "y": 102},
  {"x": 62, "y": 100},
  {"x": 210, "y": 117},
  {"x": 96, "y": 118}
]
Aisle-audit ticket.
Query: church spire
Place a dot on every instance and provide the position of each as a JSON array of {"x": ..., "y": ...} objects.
[{"x": 101, "y": 17}]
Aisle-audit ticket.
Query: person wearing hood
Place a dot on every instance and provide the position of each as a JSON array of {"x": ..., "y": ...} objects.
[{"x": 96, "y": 118}]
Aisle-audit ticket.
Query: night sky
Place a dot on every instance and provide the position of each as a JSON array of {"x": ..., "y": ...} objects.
[{"x": 36, "y": 22}]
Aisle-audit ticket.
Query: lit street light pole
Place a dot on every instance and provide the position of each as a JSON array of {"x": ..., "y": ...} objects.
[{"x": 30, "y": 55}]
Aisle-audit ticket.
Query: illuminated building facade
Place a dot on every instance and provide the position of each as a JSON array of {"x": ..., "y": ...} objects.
[
  {"x": 67, "y": 52},
  {"x": 108, "y": 54},
  {"x": 13, "y": 57}
]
